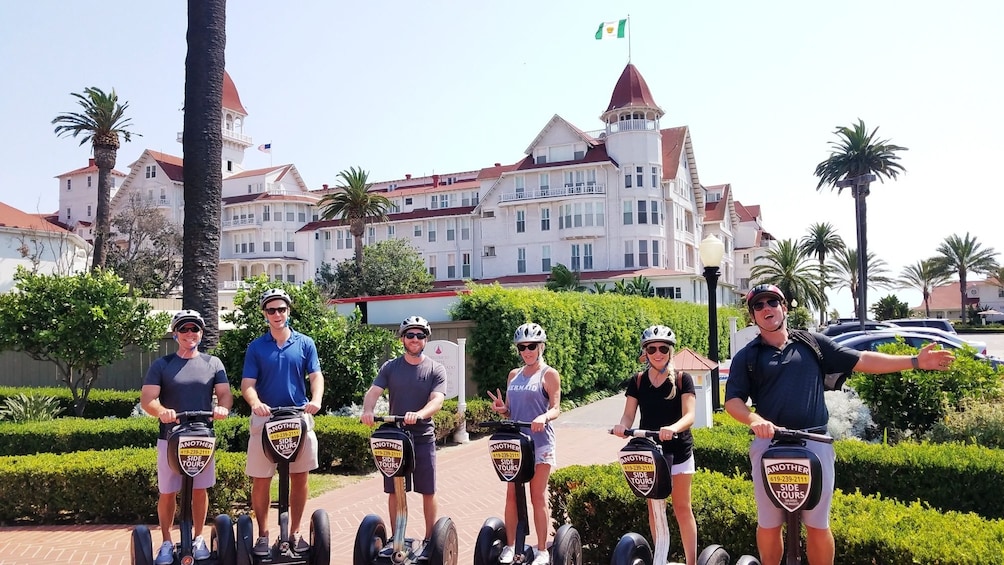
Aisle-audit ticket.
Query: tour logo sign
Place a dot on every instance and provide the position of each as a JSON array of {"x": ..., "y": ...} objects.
[
  {"x": 639, "y": 470},
  {"x": 284, "y": 436},
  {"x": 507, "y": 457},
  {"x": 195, "y": 453},
  {"x": 789, "y": 480},
  {"x": 388, "y": 454}
]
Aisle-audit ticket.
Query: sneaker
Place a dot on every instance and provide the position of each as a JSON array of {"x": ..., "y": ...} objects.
[
  {"x": 426, "y": 548},
  {"x": 261, "y": 548},
  {"x": 199, "y": 549},
  {"x": 166, "y": 554},
  {"x": 507, "y": 555},
  {"x": 542, "y": 558},
  {"x": 301, "y": 545}
]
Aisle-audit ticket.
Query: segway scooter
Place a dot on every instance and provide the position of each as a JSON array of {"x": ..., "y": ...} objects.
[
  {"x": 793, "y": 478},
  {"x": 512, "y": 454},
  {"x": 394, "y": 456},
  {"x": 190, "y": 448},
  {"x": 648, "y": 473},
  {"x": 282, "y": 438}
]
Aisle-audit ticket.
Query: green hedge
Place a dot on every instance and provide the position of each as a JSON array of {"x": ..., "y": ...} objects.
[
  {"x": 101, "y": 403},
  {"x": 867, "y": 529},
  {"x": 112, "y": 486}
]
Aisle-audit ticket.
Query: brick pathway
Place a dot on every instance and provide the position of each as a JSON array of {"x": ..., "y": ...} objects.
[{"x": 469, "y": 492}]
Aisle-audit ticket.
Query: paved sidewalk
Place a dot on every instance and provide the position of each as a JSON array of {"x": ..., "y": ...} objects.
[{"x": 469, "y": 492}]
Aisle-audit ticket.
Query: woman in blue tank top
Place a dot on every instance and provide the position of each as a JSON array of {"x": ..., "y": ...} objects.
[{"x": 533, "y": 394}]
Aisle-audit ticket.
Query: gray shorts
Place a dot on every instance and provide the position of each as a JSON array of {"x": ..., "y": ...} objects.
[
  {"x": 261, "y": 467},
  {"x": 770, "y": 516},
  {"x": 423, "y": 480},
  {"x": 169, "y": 482}
]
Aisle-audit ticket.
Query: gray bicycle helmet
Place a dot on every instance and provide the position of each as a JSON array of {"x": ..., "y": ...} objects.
[
  {"x": 186, "y": 316},
  {"x": 274, "y": 294},
  {"x": 658, "y": 333},
  {"x": 415, "y": 322},
  {"x": 529, "y": 332}
]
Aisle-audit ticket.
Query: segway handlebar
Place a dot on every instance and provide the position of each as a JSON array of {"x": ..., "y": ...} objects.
[
  {"x": 392, "y": 419},
  {"x": 188, "y": 415},
  {"x": 786, "y": 433},
  {"x": 632, "y": 432},
  {"x": 286, "y": 409},
  {"x": 499, "y": 424}
]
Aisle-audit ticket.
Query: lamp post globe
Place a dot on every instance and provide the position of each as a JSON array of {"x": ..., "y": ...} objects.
[{"x": 711, "y": 251}]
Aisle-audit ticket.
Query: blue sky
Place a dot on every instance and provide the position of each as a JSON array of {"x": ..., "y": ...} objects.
[{"x": 405, "y": 87}]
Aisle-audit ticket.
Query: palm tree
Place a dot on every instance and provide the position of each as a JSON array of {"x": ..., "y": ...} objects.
[
  {"x": 845, "y": 274},
  {"x": 963, "y": 256},
  {"x": 101, "y": 122},
  {"x": 821, "y": 239},
  {"x": 353, "y": 202},
  {"x": 785, "y": 266},
  {"x": 923, "y": 276},
  {"x": 202, "y": 141},
  {"x": 564, "y": 279},
  {"x": 856, "y": 158}
]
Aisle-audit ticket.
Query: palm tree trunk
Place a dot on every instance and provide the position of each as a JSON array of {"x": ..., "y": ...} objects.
[
  {"x": 861, "y": 213},
  {"x": 104, "y": 159},
  {"x": 203, "y": 149}
]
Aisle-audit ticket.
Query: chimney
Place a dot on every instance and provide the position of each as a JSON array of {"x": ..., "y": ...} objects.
[
  {"x": 407, "y": 176},
  {"x": 498, "y": 164},
  {"x": 324, "y": 186},
  {"x": 90, "y": 162},
  {"x": 435, "y": 181}
]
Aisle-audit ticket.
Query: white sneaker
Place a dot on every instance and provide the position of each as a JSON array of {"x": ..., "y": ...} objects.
[
  {"x": 542, "y": 558},
  {"x": 507, "y": 555},
  {"x": 165, "y": 556},
  {"x": 199, "y": 549}
]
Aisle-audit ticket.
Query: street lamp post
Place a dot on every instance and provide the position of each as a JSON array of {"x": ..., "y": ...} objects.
[{"x": 712, "y": 250}]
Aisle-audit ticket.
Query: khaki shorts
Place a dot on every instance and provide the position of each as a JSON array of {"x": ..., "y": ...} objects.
[{"x": 261, "y": 467}]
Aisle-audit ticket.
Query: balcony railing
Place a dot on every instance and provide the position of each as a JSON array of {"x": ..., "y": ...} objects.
[
  {"x": 570, "y": 189},
  {"x": 237, "y": 222},
  {"x": 228, "y": 134}
]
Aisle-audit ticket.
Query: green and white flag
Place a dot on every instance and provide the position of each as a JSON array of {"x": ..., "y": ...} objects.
[{"x": 612, "y": 30}]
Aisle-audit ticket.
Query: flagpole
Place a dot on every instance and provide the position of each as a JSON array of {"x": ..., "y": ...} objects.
[{"x": 629, "y": 37}]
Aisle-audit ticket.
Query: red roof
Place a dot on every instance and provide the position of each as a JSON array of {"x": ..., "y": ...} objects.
[
  {"x": 173, "y": 166},
  {"x": 673, "y": 142},
  {"x": 11, "y": 217},
  {"x": 90, "y": 168},
  {"x": 631, "y": 91},
  {"x": 231, "y": 100}
]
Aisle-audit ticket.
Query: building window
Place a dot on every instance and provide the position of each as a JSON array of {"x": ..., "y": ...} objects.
[
  {"x": 371, "y": 235},
  {"x": 434, "y": 202},
  {"x": 301, "y": 217},
  {"x": 391, "y": 231},
  {"x": 432, "y": 265},
  {"x": 520, "y": 221},
  {"x": 642, "y": 212},
  {"x": 68, "y": 214},
  {"x": 643, "y": 253},
  {"x": 578, "y": 155},
  {"x": 407, "y": 201},
  {"x": 451, "y": 230},
  {"x": 266, "y": 246},
  {"x": 545, "y": 259},
  {"x": 577, "y": 216},
  {"x": 417, "y": 230},
  {"x": 290, "y": 246},
  {"x": 639, "y": 175},
  {"x": 655, "y": 177},
  {"x": 520, "y": 186},
  {"x": 628, "y": 213},
  {"x": 655, "y": 252},
  {"x": 627, "y": 180},
  {"x": 587, "y": 256},
  {"x": 432, "y": 232},
  {"x": 657, "y": 217},
  {"x": 671, "y": 292},
  {"x": 489, "y": 251},
  {"x": 339, "y": 240},
  {"x": 88, "y": 210},
  {"x": 465, "y": 229},
  {"x": 88, "y": 181},
  {"x": 746, "y": 258},
  {"x": 745, "y": 284},
  {"x": 451, "y": 266},
  {"x": 68, "y": 182},
  {"x": 521, "y": 260},
  {"x": 266, "y": 214},
  {"x": 465, "y": 265},
  {"x": 545, "y": 219},
  {"x": 629, "y": 254},
  {"x": 151, "y": 171},
  {"x": 576, "y": 258},
  {"x": 545, "y": 184}
]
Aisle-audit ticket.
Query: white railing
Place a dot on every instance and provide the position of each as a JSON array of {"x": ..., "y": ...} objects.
[
  {"x": 252, "y": 221},
  {"x": 228, "y": 134},
  {"x": 572, "y": 189}
]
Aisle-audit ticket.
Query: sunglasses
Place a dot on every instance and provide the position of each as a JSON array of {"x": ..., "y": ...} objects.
[
  {"x": 273, "y": 311},
  {"x": 189, "y": 329},
  {"x": 664, "y": 349},
  {"x": 525, "y": 346},
  {"x": 415, "y": 335},
  {"x": 772, "y": 302}
]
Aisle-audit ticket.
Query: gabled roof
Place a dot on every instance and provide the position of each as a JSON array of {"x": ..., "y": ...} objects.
[
  {"x": 631, "y": 91},
  {"x": 748, "y": 213},
  {"x": 948, "y": 297},
  {"x": 173, "y": 166},
  {"x": 556, "y": 121},
  {"x": 674, "y": 142},
  {"x": 11, "y": 217},
  {"x": 231, "y": 100},
  {"x": 90, "y": 168},
  {"x": 684, "y": 359}
]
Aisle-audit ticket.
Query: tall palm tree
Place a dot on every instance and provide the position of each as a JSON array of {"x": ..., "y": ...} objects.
[
  {"x": 923, "y": 276},
  {"x": 844, "y": 274},
  {"x": 101, "y": 122},
  {"x": 353, "y": 202},
  {"x": 962, "y": 256},
  {"x": 563, "y": 279},
  {"x": 855, "y": 159},
  {"x": 202, "y": 141},
  {"x": 821, "y": 240},
  {"x": 786, "y": 267}
]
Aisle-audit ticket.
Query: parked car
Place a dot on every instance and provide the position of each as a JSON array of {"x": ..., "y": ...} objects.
[
  {"x": 939, "y": 323},
  {"x": 871, "y": 340},
  {"x": 979, "y": 346},
  {"x": 844, "y": 327}
]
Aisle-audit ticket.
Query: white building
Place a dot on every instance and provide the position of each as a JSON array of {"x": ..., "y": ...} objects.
[{"x": 38, "y": 244}]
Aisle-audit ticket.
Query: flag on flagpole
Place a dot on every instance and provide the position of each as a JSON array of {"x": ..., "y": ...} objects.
[
  {"x": 612, "y": 30},
  {"x": 267, "y": 148}
]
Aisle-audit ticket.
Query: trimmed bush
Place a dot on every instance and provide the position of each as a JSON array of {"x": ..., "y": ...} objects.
[{"x": 101, "y": 403}]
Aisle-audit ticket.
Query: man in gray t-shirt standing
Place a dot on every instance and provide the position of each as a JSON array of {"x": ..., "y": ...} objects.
[{"x": 417, "y": 386}]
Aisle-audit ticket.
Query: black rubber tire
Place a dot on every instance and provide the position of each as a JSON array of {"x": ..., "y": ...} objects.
[
  {"x": 245, "y": 540},
  {"x": 223, "y": 540},
  {"x": 371, "y": 537},
  {"x": 320, "y": 538},
  {"x": 632, "y": 549},
  {"x": 713, "y": 555},
  {"x": 748, "y": 560},
  {"x": 444, "y": 543},
  {"x": 491, "y": 540},
  {"x": 141, "y": 546},
  {"x": 567, "y": 546}
]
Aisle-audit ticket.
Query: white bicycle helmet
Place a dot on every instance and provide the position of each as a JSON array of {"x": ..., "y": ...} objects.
[
  {"x": 415, "y": 322},
  {"x": 529, "y": 332},
  {"x": 658, "y": 333},
  {"x": 274, "y": 294},
  {"x": 186, "y": 316}
]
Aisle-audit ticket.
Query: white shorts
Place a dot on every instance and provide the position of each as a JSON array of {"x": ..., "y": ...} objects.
[
  {"x": 686, "y": 468},
  {"x": 261, "y": 467}
]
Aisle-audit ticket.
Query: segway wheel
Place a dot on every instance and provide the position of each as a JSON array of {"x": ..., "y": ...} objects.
[
  {"x": 713, "y": 555},
  {"x": 748, "y": 560},
  {"x": 320, "y": 539},
  {"x": 632, "y": 549},
  {"x": 223, "y": 540},
  {"x": 491, "y": 540},
  {"x": 370, "y": 539},
  {"x": 567, "y": 546},
  {"x": 444, "y": 543},
  {"x": 245, "y": 540},
  {"x": 142, "y": 546}
]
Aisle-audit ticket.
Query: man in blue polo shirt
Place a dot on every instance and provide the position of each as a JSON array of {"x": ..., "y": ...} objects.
[{"x": 277, "y": 367}]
